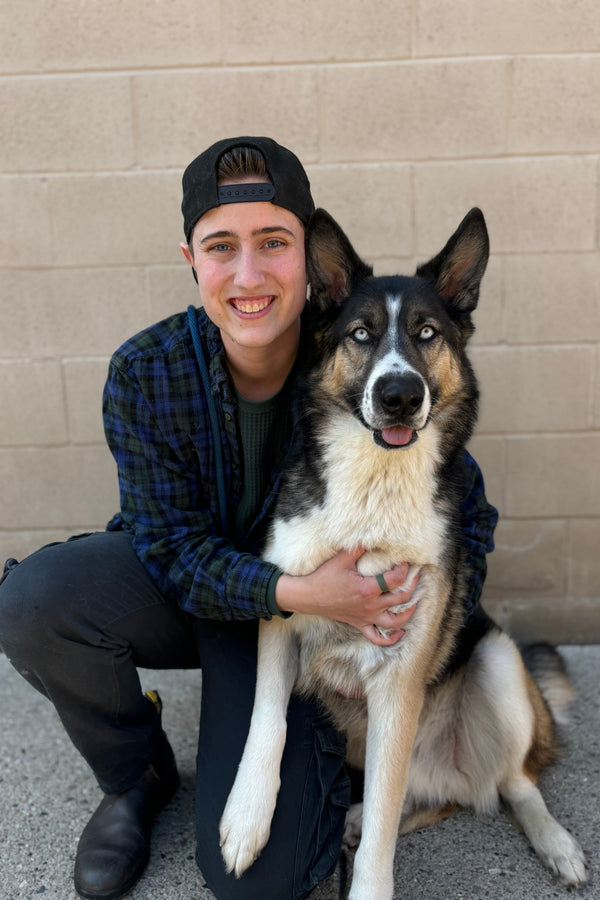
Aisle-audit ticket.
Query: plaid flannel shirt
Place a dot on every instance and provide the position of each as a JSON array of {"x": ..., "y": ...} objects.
[{"x": 156, "y": 422}]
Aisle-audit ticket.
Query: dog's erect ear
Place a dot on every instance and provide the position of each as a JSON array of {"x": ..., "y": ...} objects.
[
  {"x": 332, "y": 264},
  {"x": 457, "y": 271}
]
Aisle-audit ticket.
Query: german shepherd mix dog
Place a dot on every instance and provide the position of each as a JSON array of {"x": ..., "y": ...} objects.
[{"x": 450, "y": 715}]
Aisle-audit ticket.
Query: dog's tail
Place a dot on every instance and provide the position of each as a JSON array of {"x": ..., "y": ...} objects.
[{"x": 549, "y": 671}]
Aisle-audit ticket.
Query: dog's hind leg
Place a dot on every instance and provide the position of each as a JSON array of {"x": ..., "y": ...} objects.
[
  {"x": 246, "y": 822},
  {"x": 423, "y": 817},
  {"x": 426, "y": 816},
  {"x": 553, "y": 844}
]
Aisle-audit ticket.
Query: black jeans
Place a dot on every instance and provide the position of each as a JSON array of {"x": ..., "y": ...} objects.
[{"x": 78, "y": 618}]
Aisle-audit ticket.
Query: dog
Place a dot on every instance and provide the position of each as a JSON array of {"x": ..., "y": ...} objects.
[{"x": 451, "y": 713}]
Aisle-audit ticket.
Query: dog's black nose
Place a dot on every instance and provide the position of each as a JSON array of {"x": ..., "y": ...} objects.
[{"x": 401, "y": 395}]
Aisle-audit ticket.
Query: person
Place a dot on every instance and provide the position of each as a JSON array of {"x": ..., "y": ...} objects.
[{"x": 198, "y": 415}]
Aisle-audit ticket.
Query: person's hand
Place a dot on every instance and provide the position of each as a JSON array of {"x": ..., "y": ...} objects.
[{"x": 336, "y": 590}]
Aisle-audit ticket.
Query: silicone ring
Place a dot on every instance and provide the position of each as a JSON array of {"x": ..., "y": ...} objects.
[{"x": 381, "y": 582}]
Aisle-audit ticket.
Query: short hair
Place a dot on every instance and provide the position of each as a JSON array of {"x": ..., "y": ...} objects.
[{"x": 241, "y": 162}]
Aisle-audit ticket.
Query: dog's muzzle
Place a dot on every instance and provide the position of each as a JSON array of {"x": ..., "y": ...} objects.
[{"x": 399, "y": 406}]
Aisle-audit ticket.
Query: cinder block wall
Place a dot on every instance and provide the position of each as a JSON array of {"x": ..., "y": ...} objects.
[{"x": 406, "y": 114}]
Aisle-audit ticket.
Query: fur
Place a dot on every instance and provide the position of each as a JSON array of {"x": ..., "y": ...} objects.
[{"x": 451, "y": 715}]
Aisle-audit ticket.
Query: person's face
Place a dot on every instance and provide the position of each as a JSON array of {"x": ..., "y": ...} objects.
[{"x": 250, "y": 264}]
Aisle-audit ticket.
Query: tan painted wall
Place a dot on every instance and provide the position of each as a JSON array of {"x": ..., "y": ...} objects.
[{"x": 406, "y": 113}]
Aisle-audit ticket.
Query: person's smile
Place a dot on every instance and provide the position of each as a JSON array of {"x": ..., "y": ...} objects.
[{"x": 252, "y": 306}]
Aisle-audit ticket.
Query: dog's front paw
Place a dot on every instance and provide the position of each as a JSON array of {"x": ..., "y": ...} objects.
[
  {"x": 564, "y": 857},
  {"x": 245, "y": 827}
]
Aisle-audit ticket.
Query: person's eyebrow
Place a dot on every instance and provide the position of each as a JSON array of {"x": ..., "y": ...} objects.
[
  {"x": 268, "y": 229},
  {"x": 216, "y": 234},
  {"x": 272, "y": 229}
]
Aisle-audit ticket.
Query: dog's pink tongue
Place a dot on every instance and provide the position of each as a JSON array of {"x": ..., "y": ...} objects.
[{"x": 397, "y": 436}]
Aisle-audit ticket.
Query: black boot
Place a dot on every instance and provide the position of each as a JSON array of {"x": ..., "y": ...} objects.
[{"x": 114, "y": 847}]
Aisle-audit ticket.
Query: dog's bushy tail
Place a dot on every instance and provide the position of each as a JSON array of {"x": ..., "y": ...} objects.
[{"x": 549, "y": 671}]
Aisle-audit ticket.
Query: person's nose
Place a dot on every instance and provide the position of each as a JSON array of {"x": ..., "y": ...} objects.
[{"x": 248, "y": 274}]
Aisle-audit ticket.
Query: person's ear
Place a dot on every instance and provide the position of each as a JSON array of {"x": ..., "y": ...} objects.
[{"x": 185, "y": 249}]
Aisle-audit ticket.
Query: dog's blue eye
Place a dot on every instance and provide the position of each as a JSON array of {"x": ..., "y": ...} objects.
[
  {"x": 427, "y": 333},
  {"x": 361, "y": 335}
]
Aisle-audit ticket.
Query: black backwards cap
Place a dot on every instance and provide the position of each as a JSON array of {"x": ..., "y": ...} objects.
[{"x": 289, "y": 187}]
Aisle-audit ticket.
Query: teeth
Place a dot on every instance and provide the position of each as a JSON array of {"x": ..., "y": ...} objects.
[{"x": 251, "y": 306}]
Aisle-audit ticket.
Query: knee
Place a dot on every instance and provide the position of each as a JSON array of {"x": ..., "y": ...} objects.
[{"x": 30, "y": 610}]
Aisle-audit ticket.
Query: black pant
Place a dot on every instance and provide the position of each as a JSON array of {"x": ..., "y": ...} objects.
[{"x": 78, "y": 618}]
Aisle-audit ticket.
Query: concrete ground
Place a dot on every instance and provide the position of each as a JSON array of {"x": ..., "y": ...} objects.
[{"x": 47, "y": 794}]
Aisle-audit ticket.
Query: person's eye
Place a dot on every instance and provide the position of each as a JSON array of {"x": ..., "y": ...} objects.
[
  {"x": 274, "y": 244},
  {"x": 219, "y": 248}
]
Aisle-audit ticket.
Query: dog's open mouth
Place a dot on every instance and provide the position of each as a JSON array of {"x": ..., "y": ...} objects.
[{"x": 395, "y": 436}]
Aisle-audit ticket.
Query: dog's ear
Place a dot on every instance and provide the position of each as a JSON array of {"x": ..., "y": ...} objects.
[
  {"x": 332, "y": 264},
  {"x": 458, "y": 269}
]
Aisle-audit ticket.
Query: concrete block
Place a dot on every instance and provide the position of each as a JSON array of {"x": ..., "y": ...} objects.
[
  {"x": 393, "y": 265},
  {"x": 32, "y": 409},
  {"x": 179, "y": 114},
  {"x": 371, "y": 203},
  {"x": 319, "y": 31},
  {"x": 171, "y": 289},
  {"x": 71, "y": 312},
  {"x": 596, "y": 412},
  {"x": 105, "y": 34},
  {"x": 61, "y": 487},
  {"x": 417, "y": 110},
  {"x": 505, "y": 26},
  {"x": 69, "y": 123},
  {"x": 20, "y": 37},
  {"x": 553, "y": 298},
  {"x": 530, "y": 559},
  {"x": 18, "y": 289},
  {"x": 584, "y": 559},
  {"x": 554, "y": 105},
  {"x": 26, "y": 224},
  {"x": 116, "y": 219},
  {"x": 555, "y": 619},
  {"x": 529, "y": 389},
  {"x": 531, "y": 205},
  {"x": 65, "y": 312},
  {"x": 553, "y": 476},
  {"x": 84, "y": 383}
]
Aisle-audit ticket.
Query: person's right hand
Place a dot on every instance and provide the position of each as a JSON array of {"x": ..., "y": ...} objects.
[{"x": 336, "y": 590}]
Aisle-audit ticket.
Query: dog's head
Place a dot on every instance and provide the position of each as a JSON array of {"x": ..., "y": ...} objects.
[{"x": 391, "y": 349}]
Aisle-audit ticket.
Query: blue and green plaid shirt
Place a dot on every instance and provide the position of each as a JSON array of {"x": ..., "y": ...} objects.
[{"x": 156, "y": 421}]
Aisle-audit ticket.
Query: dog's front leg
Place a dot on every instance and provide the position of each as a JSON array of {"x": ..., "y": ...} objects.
[
  {"x": 246, "y": 821},
  {"x": 394, "y": 704}
]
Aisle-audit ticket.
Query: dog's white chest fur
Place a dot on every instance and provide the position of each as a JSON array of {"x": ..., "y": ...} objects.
[{"x": 382, "y": 500}]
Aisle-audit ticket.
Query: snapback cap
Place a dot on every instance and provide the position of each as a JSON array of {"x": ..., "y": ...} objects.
[{"x": 289, "y": 185}]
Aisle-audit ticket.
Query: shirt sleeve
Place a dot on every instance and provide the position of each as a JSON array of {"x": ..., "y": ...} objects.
[
  {"x": 165, "y": 504},
  {"x": 479, "y": 519}
]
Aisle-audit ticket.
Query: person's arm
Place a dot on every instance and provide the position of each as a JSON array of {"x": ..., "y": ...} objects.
[
  {"x": 165, "y": 483},
  {"x": 479, "y": 519}
]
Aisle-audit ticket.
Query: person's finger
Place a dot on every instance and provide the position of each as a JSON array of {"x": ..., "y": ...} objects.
[
  {"x": 374, "y": 635},
  {"x": 391, "y": 619},
  {"x": 393, "y": 579}
]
